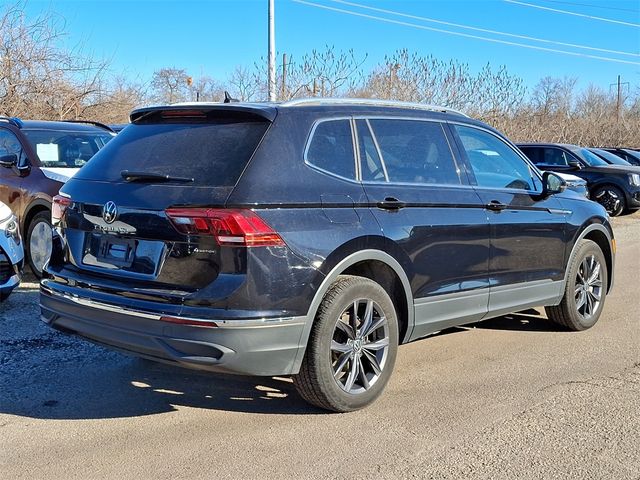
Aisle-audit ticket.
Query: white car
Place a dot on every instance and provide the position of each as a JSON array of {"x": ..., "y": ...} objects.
[
  {"x": 11, "y": 252},
  {"x": 575, "y": 183}
]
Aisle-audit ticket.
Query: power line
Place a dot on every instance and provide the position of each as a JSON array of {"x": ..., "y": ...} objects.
[
  {"x": 592, "y": 6},
  {"x": 565, "y": 12},
  {"x": 477, "y": 29},
  {"x": 460, "y": 34}
]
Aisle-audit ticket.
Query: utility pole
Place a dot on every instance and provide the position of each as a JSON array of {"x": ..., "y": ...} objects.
[
  {"x": 619, "y": 84},
  {"x": 283, "y": 93},
  {"x": 272, "y": 54}
]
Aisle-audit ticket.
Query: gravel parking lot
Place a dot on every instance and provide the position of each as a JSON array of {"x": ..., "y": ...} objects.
[{"x": 513, "y": 397}]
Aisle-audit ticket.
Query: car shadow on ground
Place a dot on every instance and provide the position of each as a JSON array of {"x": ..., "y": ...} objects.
[
  {"x": 47, "y": 374},
  {"x": 530, "y": 320}
]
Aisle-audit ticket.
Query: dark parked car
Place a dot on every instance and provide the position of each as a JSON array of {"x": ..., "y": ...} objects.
[
  {"x": 38, "y": 157},
  {"x": 609, "y": 157},
  {"x": 310, "y": 238},
  {"x": 615, "y": 187},
  {"x": 630, "y": 155}
]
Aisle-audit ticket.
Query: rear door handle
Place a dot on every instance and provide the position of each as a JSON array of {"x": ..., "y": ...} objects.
[
  {"x": 391, "y": 203},
  {"x": 495, "y": 205}
]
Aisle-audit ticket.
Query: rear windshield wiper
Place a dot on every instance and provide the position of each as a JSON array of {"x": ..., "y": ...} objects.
[{"x": 149, "y": 177}]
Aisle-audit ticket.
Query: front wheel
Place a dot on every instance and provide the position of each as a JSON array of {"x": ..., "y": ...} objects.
[
  {"x": 352, "y": 347},
  {"x": 585, "y": 290},
  {"x": 611, "y": 198},
  {"x": 39, "y": 240}
]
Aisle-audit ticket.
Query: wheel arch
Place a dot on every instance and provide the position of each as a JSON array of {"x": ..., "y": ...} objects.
[
  {"x": 376, "y": 265},
  {"x": 599, "y": 234},
  {"x": 37, "y": 206}
]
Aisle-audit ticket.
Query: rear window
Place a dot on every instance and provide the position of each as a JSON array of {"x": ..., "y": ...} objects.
[{"x": 213, "y": 153}]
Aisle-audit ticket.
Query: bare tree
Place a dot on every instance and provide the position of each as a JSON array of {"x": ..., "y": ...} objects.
[
  {"x": 38, "y": 77},
  {"x": 170, "y": 85}
]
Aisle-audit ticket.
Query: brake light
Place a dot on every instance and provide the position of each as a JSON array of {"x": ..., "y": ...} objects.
[
  {"x": 234, "y": 227},
  {"x": 58, "y": 208}
]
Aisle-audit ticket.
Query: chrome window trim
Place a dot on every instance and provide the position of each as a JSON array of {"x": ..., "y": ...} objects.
[{"x": 533, "y": 168}]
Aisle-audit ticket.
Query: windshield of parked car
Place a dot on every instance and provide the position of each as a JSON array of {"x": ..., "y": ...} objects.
[
  {"x": 592, "y": 159},
  {"x": 610, "y": 157},
  {"x": 66, "y": 149}
]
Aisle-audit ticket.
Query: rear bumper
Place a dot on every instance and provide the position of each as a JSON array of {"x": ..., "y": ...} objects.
[{"x": 250, "y": 347}]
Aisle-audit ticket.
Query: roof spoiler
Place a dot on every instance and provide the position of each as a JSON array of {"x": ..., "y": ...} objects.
[{"x": 201, "y": 108}]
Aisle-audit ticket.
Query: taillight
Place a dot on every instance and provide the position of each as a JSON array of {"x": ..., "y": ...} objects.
[
  {"x": 58, "y": 208},
  {"x": 234, "y": 227}
]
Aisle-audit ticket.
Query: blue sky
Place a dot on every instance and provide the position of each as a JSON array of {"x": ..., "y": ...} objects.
[{"x": 211, "y": 37}]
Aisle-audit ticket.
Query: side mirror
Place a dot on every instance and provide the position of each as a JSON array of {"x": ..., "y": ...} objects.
[
  {"x": 575, "y": 164},
  {"x": 9, "y": 160},
  {"x": 552, "y": 184}
]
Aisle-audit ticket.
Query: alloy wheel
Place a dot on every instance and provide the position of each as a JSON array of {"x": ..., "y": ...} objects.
[
  {"x": 588, "y": 289},
  {"x": 360, "y": 346},
  {"x": 40, "y": 245}
]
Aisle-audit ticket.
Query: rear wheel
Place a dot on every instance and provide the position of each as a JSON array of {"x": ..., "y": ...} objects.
[
  {"x": 585, "y": 290},
  {"x": 352, "y": 347},
  {"x": 611, "y": 198},
  {"x": 39, "y": 238}
]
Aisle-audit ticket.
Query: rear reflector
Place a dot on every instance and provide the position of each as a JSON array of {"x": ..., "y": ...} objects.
[
  {"x": 234, "y": 227},
  {"x": 59, "y": 206}
]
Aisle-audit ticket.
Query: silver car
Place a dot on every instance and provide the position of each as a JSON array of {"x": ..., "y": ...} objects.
[{"x": 11, "y": 252}]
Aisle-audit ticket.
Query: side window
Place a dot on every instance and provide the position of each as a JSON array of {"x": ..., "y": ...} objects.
[
  {"x": 331, "y": 148},
  {"x": 532, "y": 153},
  {"x": 555, "y": 157},
  {"x": 414, "y": 151},
  {"x": 9, "y": 145},
  {"x": 494, "y": 163},
  {"x": 371, "y": 165}
]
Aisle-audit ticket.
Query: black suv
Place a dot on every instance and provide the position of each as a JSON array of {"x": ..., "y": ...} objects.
[
  {"x": 310, "y": 238},
  {"x": 615, "y": 187}
]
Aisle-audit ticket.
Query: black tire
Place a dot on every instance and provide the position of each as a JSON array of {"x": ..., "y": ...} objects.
[
  {"x": 317, "y": 382},
  {"x": 571, "y": 312},
  {"x": 39, "y": 218},
  {"x": 611, "y": 198}
]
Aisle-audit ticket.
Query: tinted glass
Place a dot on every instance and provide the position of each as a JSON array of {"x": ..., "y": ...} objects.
[
  {"x": 555, "y": 157},
  {"x": 494, "y": 163},
  {"x": 415, "y": 152},
  {"x": 212, "y": 153},
  {"x": 610, "y": 158},
  {"x": 331, "y": 148},
  {"x": 592, "y": 159},
  {"x": 371, "y": 166},
  {"x": 66, "y": 149}
]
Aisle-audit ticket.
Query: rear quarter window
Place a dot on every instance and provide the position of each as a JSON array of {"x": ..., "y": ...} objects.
[{"x": 330, "y": 148}]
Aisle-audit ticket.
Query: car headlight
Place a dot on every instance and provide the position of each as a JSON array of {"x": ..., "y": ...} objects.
[
  {"x": 634, "y": 179},
  {"x": 12, "y": 230}
]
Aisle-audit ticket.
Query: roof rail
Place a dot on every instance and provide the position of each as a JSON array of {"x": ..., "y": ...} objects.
[
  {"x": 15, "y": 121},
  {"x": 369, "y": 101},
  {"x": 91, "y": 122}
]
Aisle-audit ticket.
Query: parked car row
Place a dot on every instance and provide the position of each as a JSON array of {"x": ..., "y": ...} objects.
[
  {"x": 37, "y": 158},
  {"x": 612, "y": 182}
]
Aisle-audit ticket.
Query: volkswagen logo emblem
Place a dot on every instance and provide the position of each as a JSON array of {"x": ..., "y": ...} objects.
[{"x": 109, "y": 212}]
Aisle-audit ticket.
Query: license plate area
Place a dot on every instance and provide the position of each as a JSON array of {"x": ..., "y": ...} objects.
[{"x": 118, "y": 252}]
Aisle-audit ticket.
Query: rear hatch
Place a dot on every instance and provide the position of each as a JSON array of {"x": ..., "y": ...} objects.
[{"x": 144, "y": 218}]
